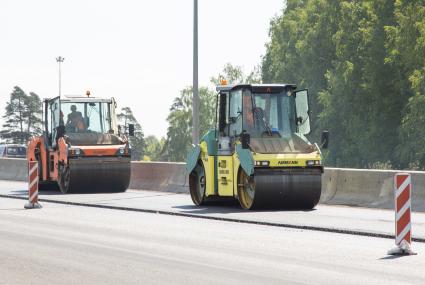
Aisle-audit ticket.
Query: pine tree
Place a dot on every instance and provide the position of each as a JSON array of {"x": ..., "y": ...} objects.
[
  {"x": 13, "y": 129},
  {"x": 23, "y": 117}
]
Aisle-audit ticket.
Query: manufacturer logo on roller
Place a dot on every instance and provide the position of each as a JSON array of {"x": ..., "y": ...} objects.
[{"x": 287, "y": 162}]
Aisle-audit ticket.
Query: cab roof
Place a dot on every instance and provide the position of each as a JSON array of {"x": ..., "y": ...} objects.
[
  {"x": 83, "y": 99},
  {"x": 256, "y": 88},
  {"x": 87, "y": 100}
]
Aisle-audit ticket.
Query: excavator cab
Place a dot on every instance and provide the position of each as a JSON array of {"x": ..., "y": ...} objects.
[
  {"x": 265, "y": 114},
  {"x": 79, "y": 116},
  {"x": 258, "y": 153}
]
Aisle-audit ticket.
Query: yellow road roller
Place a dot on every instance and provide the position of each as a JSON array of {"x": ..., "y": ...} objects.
[{"x": 258, "y": 153}]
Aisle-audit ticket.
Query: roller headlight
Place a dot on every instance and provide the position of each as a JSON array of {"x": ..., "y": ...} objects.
[
  {"x": 121, "y": 151},
  {"x": 262, "y": 163},
  {"x": 313, "y": 162},
  {"x": 75, "y": 152}
]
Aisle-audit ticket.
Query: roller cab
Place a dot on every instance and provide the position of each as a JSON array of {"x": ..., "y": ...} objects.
[
  {"x": 82, "y": 148},
  {"x": 258, "y": 152}
]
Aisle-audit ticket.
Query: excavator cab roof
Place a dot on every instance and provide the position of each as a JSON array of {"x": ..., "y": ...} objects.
[
  {"x": 86, "y": 100},
  {"x": 256, "y": 88},
  {"x": 81, "y": 100}
]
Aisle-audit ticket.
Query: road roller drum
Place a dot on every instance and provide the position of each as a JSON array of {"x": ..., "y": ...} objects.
[
  {"x": 96, "y": 175},
  {"x": 280, "y": 188}
]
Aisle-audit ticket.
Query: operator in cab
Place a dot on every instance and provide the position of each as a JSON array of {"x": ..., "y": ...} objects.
[{"x": 75, "y": 120}]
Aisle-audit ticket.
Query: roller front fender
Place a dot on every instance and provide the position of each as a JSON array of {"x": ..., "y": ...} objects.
[{"x": 192, "y": 158}]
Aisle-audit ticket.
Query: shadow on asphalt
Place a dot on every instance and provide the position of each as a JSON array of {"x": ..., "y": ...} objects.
[
  {"x": 13, "y": 209},
  {"x": 19, "y": 192},
  {"x": 53, "y": 189},
  {"x": 224, "y": 208},
  {"x": 49, "y": 193},
  {"x": 392, "y": 257},
  {"x": 228, "y": 207},
  {"x": 41, "y": 192}
]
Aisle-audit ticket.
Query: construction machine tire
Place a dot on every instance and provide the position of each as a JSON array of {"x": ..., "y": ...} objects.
[
  {"x": 246, "y": 190},
  {"x": 64, "y": 178},
  {"x": 197, "y": 184},
  {"x": 280, "y": 188},
  {"x": 48, "y": 186}
]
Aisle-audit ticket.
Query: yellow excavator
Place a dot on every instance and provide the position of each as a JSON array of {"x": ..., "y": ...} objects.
[
  {"x": 258, "y": 152},
  {"x": 82, "y": 148}
]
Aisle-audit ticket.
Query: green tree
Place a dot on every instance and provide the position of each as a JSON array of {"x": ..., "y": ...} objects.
[
  {"x": 34, "y": 114},
  {"x": 23, "y": 117},
  {"x": 234, "y": 74},
  {"x": 359, "y": 94},
  {"x": 337, "y": 49},
  {"x": 15, "y": 110},
  {"x": 301, "y": 49},
  {"x": 154, "y": 148},
  {"x": 137, "y": 142},
  {"x": 406, "y": 52},
  {"x": 179, "y": 133}
]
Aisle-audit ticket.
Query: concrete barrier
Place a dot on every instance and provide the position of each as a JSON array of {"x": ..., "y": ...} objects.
[
  {"x": 161, "y": 176},
  {"x": 340, "y": 186},
  {"x": 13, "y": 169},
  {"x": 368, "y": 188}
]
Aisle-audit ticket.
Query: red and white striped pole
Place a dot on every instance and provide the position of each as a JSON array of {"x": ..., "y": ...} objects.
[
  {"x": 32, "y": 186},
  {"x": 403, "y": 225}
]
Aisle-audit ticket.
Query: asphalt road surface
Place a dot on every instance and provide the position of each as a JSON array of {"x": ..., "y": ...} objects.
[
  {"x": 62, "y": 244},
  {"x": 338, "y": 218}
]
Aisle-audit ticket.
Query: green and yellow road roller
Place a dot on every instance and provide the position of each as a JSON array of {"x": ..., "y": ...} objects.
[{"x": 258, "y": 152}]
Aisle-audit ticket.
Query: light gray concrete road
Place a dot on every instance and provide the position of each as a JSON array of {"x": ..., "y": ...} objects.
[
  {"x": 63, "y": 244},
  {"x": 324, "y": 216}
]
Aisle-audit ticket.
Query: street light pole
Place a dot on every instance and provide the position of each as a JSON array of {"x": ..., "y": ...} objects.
[
  {"x": 59, "y": 60},
  {"x": 195, "y": 106}
]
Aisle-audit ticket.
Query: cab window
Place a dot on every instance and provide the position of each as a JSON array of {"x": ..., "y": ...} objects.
[{"x": 235, "y": 113}]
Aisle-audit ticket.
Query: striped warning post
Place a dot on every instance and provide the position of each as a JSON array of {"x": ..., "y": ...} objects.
[
  {"x": 403, "y": 225},
  {"x": 32, "y": 186}
]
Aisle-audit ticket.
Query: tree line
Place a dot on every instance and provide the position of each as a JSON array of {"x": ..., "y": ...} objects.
[
  {"x": 363, "y": 62},
  {"x": 364, "y": 65}
]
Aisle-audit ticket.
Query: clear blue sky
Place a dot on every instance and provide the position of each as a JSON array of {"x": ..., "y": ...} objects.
[{"x": 139, "y": 52}]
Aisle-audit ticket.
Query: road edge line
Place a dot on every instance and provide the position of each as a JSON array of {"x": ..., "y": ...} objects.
[{"x": 170, "y": 213}]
